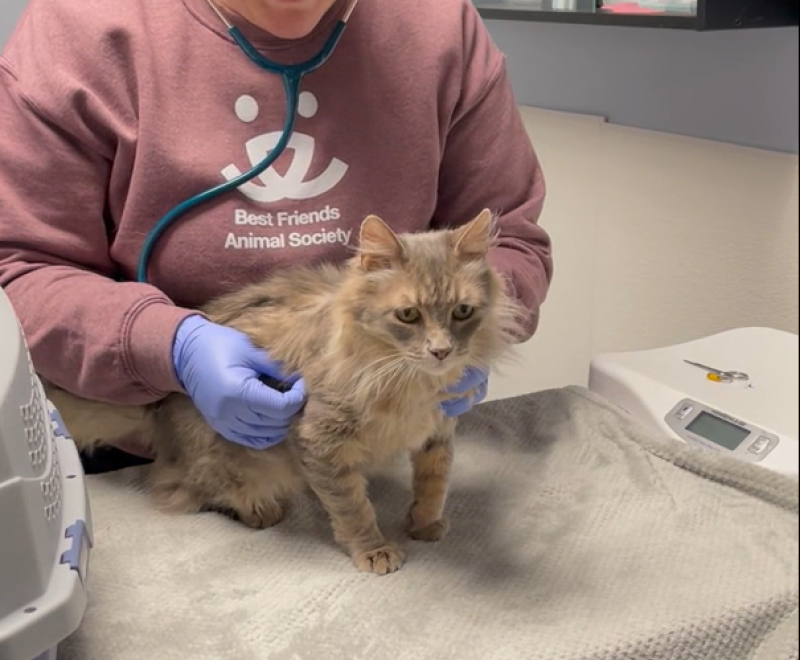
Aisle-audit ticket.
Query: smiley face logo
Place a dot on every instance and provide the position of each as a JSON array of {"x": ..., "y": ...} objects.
[{"x": 294, "y": 185}]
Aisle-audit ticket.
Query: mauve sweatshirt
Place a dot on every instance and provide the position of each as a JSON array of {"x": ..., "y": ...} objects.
[{"x": 113, "y": 111}]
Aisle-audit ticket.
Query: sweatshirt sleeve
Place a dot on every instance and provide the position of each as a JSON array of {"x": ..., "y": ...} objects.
[
  {"x": 489, "y": 162},
  {"x": 87, "y": 333}
]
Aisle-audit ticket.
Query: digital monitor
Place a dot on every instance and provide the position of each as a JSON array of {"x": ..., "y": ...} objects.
[{"x": 718, "y": 431}]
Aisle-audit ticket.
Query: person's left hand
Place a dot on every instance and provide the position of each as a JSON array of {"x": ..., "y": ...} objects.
[{"x": 473, "y": 386}]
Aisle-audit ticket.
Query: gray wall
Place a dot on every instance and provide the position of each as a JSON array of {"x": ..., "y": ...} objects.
[
  {"x": 9, "y": 13},
  {"x": 739, "y": 87}
]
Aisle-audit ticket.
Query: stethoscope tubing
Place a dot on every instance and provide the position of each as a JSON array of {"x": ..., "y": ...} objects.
[{"x": 291, "y": 76}]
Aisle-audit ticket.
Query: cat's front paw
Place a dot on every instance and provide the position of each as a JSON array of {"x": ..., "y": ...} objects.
[
  {"x": 383, "y": 560},
  {"x": 427, "y": 531}
]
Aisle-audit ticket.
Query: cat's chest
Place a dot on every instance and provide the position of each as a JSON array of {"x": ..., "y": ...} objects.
[{"x": 384, "y": 436}]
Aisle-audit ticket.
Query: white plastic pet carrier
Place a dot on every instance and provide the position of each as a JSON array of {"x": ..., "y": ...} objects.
[{"x": 45, "y": 519}]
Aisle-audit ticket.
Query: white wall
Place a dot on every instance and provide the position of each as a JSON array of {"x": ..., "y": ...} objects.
[{"x": 658, "y": 239}]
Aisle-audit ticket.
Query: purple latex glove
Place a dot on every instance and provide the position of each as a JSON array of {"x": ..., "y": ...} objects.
[
  {"x": 473, "y": 379},
  {"x": 220, "y": 370}
]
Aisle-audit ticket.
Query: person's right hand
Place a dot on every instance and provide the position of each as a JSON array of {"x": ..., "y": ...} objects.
[{"x": 220, "y": 370}]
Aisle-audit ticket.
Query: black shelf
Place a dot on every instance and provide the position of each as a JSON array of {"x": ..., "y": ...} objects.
[{"x": 711, "y": 15}]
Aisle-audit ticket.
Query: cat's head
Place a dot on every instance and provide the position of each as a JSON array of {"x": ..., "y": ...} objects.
[{"x": 432, "y": 298}]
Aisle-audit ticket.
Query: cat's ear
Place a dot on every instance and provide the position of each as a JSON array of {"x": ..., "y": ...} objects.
[
  {"x": 472, "y": 241},
  {"x": 379, "y": 246}
]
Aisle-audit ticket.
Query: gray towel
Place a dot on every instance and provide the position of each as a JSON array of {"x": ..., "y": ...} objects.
[{"x": 576, "y": 535}]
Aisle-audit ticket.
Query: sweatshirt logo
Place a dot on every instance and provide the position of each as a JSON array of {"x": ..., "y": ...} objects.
[{"x": 270, "y": 186}]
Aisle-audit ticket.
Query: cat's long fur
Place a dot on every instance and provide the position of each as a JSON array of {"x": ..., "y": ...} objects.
[{"x": 373, "y": 389}]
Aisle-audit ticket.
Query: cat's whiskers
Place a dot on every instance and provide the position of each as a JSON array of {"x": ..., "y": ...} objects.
[
  {"x": 368, "y": 382},
  {"x": 356, "y": 376},
  {"x": 406, "y": 375},
  {"x": 382, "y": 378}
]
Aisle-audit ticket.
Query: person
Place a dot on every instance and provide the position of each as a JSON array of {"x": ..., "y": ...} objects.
[{"x": 112, "y": 113}]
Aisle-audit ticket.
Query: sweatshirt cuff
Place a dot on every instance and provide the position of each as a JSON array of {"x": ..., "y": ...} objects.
[{"x": 147, "y": 345}]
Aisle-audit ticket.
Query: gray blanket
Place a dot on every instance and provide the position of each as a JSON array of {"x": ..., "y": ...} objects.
[{"x": 576, "y": 535}]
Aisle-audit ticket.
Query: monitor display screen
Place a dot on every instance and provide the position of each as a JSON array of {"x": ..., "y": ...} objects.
[{"x": 718, "y": 431}]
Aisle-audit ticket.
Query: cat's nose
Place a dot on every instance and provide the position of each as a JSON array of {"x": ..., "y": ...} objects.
[{"x": 440, "y": 353}]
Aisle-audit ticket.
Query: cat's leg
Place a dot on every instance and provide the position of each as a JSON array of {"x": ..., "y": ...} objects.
[
  {"x": 342, "y": 490},
  {"x": 179, "y": 491},
  {"x": 432, "y": 464},
  {"x": 95, "y": 424},
  {"x": 257, "y": 514},
  {"x": 196, "y": 471}
]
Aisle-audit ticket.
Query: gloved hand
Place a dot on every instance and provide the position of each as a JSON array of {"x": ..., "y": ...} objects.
[
  {"x": 219, "y": 369},
  {"x": 473, "y": 385}
]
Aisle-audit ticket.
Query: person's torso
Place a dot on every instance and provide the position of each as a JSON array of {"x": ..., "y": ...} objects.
[{"x": 368, "y": 139}]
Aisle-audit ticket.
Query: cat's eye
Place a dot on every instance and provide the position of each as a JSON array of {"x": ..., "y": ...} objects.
[
  {"x": 408, "y": 315},
  {"x": 463, "y": 312}
]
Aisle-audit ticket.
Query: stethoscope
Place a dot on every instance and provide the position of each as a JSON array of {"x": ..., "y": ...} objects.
[{"x": 291, "y": 75}]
